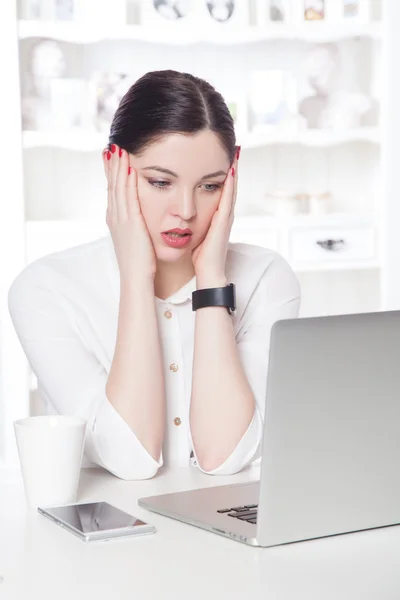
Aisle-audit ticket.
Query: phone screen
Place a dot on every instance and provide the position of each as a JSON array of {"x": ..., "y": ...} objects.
[{"x": 95, "y": 516}]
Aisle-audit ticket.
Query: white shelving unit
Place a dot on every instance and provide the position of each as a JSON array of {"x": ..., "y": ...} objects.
[
  {"x": 307, "y": 32},
  {"x": 346, "y": 163},
  {"x": 345, "y": 260}
]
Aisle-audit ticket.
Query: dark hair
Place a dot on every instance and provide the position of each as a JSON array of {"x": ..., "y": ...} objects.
[{"x": 163, "y": 102}]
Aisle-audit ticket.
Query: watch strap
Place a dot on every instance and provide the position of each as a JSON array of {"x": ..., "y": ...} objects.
[{"x": 220, "y": 296}]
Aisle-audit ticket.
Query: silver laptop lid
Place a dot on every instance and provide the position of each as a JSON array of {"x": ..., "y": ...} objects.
[{"x": 331, "y": 449}]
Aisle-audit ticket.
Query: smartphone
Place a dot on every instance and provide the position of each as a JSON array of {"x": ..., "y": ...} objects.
[{"x": 96, "y": 521}]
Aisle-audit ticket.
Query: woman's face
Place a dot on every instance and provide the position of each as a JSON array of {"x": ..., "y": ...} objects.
[{"x": 180, "y": 181}]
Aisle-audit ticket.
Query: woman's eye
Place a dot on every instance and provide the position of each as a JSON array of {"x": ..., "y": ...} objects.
[
  {"x": 212, "y": 187},
  {"x": 159, "y": 184},
  {"x": 162, "y": 185}
]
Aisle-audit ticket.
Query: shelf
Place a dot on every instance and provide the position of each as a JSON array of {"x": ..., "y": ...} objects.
[
  {"x": 178, "y": 35},
  {"x": 81, "y": 141}
]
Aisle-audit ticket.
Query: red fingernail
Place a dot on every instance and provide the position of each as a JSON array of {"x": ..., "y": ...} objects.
[
  {"x": 113, "y": 148},
  {"x": 233, "y": 172},
  {"x": 238, "y": 152},
  {"x": 120, "y": 152},
  {"x": 129, "y": 170},
  {"x": 108, "y": 155}
]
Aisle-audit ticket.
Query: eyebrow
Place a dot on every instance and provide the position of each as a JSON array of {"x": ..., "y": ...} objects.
[{"x": 168, "y": 172}]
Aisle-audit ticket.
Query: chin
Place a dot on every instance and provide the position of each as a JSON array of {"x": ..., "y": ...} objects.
[{"x": 171, "y": 255}]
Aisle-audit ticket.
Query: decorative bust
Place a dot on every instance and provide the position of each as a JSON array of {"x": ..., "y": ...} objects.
[
  {"x": 47, "y": 62},
  {"x": 330, "y": 107}
]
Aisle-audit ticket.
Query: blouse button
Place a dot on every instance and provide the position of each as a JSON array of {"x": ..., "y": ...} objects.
[
  {"x": 174, "y": 367},
  {"x": 168, "y": 314},
  {"x": 177, "y": 421}
]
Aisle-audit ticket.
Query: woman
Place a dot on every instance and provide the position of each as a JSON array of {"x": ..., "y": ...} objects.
[{"x": 109, "y": 327}]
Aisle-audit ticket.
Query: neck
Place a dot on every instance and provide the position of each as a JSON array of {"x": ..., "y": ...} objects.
[{"x": 171, "y": 277}]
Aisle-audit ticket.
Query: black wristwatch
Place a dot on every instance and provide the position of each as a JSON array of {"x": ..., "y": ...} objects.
[{"x": 221, "y": 296}]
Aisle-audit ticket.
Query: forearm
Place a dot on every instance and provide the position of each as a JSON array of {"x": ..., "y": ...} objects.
[
  {"x": 222, "y": 402},
  {"x": 135, "y": 385}
]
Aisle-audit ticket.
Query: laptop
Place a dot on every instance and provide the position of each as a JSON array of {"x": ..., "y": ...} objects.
[{"x": 331, "y": 441}]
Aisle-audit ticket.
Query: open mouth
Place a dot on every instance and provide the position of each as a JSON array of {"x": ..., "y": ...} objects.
[
  {"x": 176, "y": 235},
  {"x": 176, "y": 240}
]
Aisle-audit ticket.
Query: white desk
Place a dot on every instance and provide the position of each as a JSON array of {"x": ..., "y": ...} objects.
[{"x": 38, "y": 559}]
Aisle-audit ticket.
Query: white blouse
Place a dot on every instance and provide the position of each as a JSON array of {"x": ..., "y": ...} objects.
[{"x": 64, "y": 307}]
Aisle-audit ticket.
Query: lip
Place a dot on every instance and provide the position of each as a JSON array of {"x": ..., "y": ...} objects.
[
  {"x": 176, "y": 242},
  {"x": 177, "y": 230}
]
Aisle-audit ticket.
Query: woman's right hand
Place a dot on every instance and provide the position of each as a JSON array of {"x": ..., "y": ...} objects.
[{"x": 132, "y": 243}]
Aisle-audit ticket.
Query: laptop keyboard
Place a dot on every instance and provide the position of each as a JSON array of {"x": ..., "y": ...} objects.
[{"x": 248, "y": 512}]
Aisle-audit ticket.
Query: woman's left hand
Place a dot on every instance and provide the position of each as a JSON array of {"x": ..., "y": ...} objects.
[{"x": 209, "y": 257}]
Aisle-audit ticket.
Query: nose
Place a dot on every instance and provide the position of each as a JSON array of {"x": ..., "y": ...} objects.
[{"x": 184, "y": 205}]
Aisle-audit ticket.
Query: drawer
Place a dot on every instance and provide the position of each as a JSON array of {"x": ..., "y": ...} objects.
[
  {"x": 332, "y": 244},
  {"x": 258, "y": 236}
]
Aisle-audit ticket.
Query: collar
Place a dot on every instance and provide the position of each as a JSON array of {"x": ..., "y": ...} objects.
[{"x": 182, "y": 295}]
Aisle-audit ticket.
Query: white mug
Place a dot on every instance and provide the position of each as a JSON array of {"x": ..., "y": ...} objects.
[{"x": 50, "y": 450}]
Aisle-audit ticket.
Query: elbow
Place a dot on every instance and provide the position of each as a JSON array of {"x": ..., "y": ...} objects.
[
  {"x": 125, "y": 465},
  {"x": 219, "y": 468},
  {"x": 215, "y": 465},
  {"x": 137, "y": 473}
]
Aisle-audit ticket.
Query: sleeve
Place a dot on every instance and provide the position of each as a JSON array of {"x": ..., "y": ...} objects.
[
  {"x": 72, "y": 379},
  {"x": 276, "y": 297}
]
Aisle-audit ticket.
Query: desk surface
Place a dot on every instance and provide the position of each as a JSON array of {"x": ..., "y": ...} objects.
[{"x": 38, "y": 558}]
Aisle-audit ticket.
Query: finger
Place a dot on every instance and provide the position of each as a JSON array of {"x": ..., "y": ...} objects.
[
  {"x": 110, "y": 196},
  {"x": 132, "y": 195},
  {"x": 120, "y": 184},
  {"x": 113, "y": 173},
  {"x": 225, "y": 202},
  {"x": 235, "y": 186}
]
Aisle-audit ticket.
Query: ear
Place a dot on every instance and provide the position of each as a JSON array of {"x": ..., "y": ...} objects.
[{"x": 105, "y": 161}]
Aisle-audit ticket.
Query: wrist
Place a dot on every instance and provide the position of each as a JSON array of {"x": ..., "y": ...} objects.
[
  {"x": 141, "y": 286},
  {"x": 210, "y": 281}
]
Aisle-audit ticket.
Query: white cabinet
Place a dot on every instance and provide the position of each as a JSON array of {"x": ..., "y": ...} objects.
[{"x": 333, "y": 244}]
